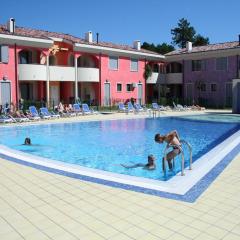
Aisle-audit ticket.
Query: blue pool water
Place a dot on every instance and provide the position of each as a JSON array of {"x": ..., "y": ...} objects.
[{"x": 107, "y": 144}]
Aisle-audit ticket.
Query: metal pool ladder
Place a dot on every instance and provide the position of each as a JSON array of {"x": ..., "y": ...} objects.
[{"x": 182, "y": 157}]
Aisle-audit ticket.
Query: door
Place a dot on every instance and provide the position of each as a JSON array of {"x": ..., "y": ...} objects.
[
  {"x": 54, "y": 95},
  {"x": 228, "y": 95},
  {"x": 5, "y": 93},
  {"x": 189, "y": 93},
  {"x": 238, "y": 97},
  {"x": 107, "y": 101},
  {"x": 140, "y": 94}
]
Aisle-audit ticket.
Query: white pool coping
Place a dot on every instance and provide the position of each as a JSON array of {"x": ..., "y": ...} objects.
[{"x": 176, "y": 185}]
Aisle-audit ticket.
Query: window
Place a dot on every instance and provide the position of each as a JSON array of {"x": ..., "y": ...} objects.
[
  {"x": 203, "y": 87},
  {"x": 198, "y": 65},
  {"x": 161, "y": 68},
  {"x": 71, "y": 60},
  {"x": 134, "y": 65},
  {"x": 128, "y": 87},
  {"x": 155, "y": 68},
  {"x": 213, "y": 87},
  {"x": 4, "y": 54},
  {"x": 25, "y": 57},
  {"x": 221, "y": 64},
  {"x": 119, "y": 87},
  {"x": 113, "y": 63},
  {"x": 52, "y": 60}
]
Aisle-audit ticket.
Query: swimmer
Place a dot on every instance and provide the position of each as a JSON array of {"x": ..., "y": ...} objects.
[
  {"x": 149, "y": 166},
  {"x": 27, "y": 141}
]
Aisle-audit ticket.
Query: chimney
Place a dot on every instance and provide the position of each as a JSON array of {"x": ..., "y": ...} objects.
[
  {"x": 189, "y": 46},
  {"x": 97, "y": 37},
  {"x": 11, "y": 25},
  {"x": 137, "y": 45},
  {"x": 89, "y": 37}
]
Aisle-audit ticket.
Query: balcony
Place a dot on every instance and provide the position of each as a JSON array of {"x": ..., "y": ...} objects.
[
  {"x": 156, "y": 78},
  {"x": 174, "y": 78},
  {"x": 61, "y": 73},
  {"x": 32, "y": 72},
  {"x": 88, "y": 74}
]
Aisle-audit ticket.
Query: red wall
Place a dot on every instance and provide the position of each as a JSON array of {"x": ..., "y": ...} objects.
[
  {"x": 9, "y": 71},
  {"x": 122, "y": 75}
]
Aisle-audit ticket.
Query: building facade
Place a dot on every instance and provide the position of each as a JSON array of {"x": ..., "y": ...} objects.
[
  {"x": 38, "y": 65},
  {"x": 205, "y": 73}
]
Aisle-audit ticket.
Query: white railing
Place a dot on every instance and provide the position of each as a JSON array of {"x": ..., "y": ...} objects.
[
  {"x": 88, "y": 74},
  {"x": 32, "y": 72},
  {"x": 61, "y": 73},
  {"x": 174, "y": 78}
]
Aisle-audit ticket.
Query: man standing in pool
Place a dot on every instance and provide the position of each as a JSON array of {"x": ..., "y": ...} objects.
[{"x": 172, "y": 138}]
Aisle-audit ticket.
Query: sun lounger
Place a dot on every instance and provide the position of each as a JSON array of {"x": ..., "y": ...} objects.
[
  {"x": 33, "y": 113},
  {"x": 138, "y": 107},
  {"x": 122, "y": 108},
  {"x": 130, "y": 107},
  {"x": 157, "y": 107},
  {"x": 86, "y": 109},
  {"x": 178, "y": 107},
  {"x": 45, "y": 113},
  {"x": 77, "y": 109},
  {"x": 5, "y": 119}
]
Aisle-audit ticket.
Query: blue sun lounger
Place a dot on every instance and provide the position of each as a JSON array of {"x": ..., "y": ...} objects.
[
  {"x": 34, "y": 113},
  {"x": 86, "y": 109},
  {"x": 130, "y": 107},
  {"x": 45, "y": 113},
  {"x": 121, "y": 108},
  {"x": 138, "y": 107},
  {"x": 77, "y": 109}
]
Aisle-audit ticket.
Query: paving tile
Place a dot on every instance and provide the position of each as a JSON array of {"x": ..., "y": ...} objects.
[
  {"x": 231, "y": 236},
  {"x": 11, "y": 236}
]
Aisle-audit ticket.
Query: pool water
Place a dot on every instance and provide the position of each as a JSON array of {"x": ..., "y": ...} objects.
[{"x": 107, "y": 144}]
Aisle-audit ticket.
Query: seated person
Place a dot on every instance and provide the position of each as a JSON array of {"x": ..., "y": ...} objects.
[{"x": 149, "y": 166}]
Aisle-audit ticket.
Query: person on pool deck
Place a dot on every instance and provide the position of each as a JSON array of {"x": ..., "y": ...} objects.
[
  {"x": 27, "y": 141},
  {"x": 172, "y": 138},
  {"x": 149, "y": 166}
]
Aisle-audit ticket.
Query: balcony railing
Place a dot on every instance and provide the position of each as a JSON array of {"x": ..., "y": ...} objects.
[
  {"x": 156, "y": 78},
  {"x": 88, "y": 74},
  {"x": 61, "y": 73},
  {"x": 32, "y": 72},
  {"x": 174, "y": 78}
]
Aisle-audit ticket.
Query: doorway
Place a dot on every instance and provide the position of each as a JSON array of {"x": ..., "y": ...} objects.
[
  {"x": 54, "y": 95},
  {"x": 140, "y": 94},
  {"x": 107, "y": 99}
]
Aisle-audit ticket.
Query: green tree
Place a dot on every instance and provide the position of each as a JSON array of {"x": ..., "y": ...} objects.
[
  {"x": 199, "y": 40},
  {"x": 183, "y": 33},
  {"x": 160, "y": 48},
  {"x": 164, "y": 48}
]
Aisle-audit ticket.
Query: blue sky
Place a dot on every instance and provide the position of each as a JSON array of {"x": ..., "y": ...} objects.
[{"x": 123, "y": 21}]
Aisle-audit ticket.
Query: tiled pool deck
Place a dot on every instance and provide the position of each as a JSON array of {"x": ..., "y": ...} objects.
[{"x": 36, "y": 204}]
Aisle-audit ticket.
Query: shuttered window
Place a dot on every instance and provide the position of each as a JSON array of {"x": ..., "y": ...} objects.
[
  {"x": 113, "y": 63},
  {"x": 4, "y": 54},
  {"x": 134, "y": 65},
  {"x": 222, "y": 64}
]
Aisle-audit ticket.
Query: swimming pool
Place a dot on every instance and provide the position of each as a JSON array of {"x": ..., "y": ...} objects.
[{"x": 104, "y": 145}]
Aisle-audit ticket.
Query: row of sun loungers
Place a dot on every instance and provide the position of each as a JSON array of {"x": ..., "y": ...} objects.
[
  {"x": 136, "y": 108},
  {"x": 44, "y": 113}
]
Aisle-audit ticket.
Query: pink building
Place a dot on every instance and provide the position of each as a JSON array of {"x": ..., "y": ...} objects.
[{"x": 38, "y": 65}]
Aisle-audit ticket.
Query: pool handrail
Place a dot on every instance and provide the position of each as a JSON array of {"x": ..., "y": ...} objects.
[{"x": 182, "y": 155}]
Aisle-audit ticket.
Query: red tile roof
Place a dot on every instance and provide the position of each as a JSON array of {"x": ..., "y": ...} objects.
[
  {"x": 34, "y": 33},
  {"x": 206, "y": 48}
]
